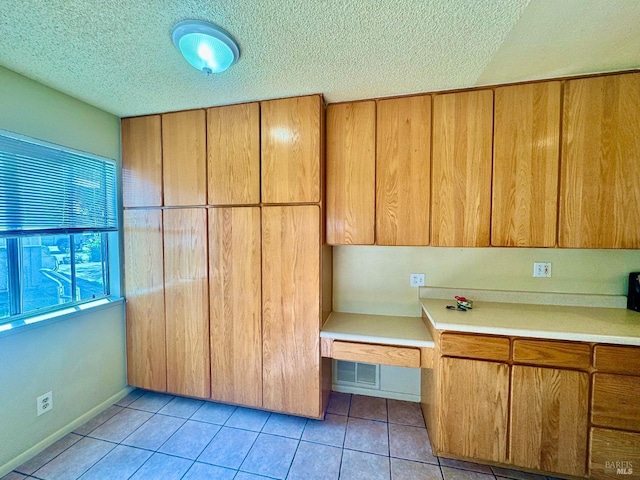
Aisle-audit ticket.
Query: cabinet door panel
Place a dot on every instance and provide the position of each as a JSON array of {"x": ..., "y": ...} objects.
[
  {"x": 291, "y": 146},
  {"x": 146, "y": 356},
  {"x": 184, "y": 151},
  {"x": 141, "y": 161},
  {"x": 403, "y": 181},
  {"x": 473, "y": 417},
  {"x": 291, "y": 309},
  {"x": 233, "y": 150},
  {"x": 236, "y": 308},
  {"x": 351, "y": 173},
  {"x": 461, "y": 172},
  {"x": 549, "y": 419},
  {"x": 186, "y": 301},
  {"x": 616, "y": 401},
  {"x": 614, "y": 455},
  {"x": 600, "y": 185},
  {"x": 526, "y": 159},
  {"x": 617, "y": 359}
]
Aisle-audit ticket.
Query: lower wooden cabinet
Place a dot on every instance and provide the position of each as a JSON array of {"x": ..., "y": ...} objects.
[
  {"x": 549, "y": 418},
  {"x": 144, "y": 277},
  {"x": 235, "y": 300},
  {"x": 616, "y": 401},
  {"x": 291, "y": 309},
  {"x": 614, "y": 455},
  {"x": 474, "y": 409},
  {"x": 186, "y": 301}
]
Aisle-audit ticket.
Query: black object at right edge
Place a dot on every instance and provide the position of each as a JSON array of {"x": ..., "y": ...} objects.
[{"x": 633, "y": 299}]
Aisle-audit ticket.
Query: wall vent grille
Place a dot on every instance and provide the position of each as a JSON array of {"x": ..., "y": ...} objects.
[{"x": 363, "y": 375}]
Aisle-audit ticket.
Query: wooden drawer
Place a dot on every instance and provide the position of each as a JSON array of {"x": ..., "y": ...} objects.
[
  {"x": 371, "y": 353},
  {"x": 482, "y": 347},
  {"x": 617, "y": 359},
  {"x": 552, "y": 354},
  {"x": 612, "y": 450},
  {"x": 616, "y": 401}
]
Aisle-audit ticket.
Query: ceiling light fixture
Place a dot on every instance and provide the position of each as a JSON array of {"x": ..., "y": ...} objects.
[{"x": 205, "y": 46}]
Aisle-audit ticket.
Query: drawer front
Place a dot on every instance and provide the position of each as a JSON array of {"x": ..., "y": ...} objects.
[
  {"x": 482, "y": 347},
  {"x": 552, "y": 354},
  {"x": 617, "y": 359},
  {"x": 614, "y": 455},
  {"x": 616, "y": 401},
  {"x": 382, "y": 354}
]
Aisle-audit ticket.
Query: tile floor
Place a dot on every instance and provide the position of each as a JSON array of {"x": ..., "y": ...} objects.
[{"x": 148, "y": 435}]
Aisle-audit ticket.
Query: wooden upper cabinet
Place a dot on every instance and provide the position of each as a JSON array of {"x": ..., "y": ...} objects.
[
  {"x": 291, "y": 149},
  {"x": 403, "y": 170},
  {"x": 186, "y": 301},
  {"x": 351, "y": 173},
  {"x": 526, "y": 156},
  {"x": 141, "y": 161},
  {"x": 461, "y": 169},
  {"x": 291, "y": 309},
  {"x": 236, "y": 306},
  {"x": 599, "y": 183},
  {"x": 233, "y": 152},
  {"x": 184, "y": 147},
  {"x": 144, "y": 289}
]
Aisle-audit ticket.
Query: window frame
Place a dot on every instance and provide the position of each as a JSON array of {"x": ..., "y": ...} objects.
[{"x": 110, "y": 260}]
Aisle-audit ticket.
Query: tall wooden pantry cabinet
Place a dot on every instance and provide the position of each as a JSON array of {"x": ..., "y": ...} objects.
[{"x": 227, "y": 277}]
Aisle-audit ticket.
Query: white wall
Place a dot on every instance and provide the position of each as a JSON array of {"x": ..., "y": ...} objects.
[
  {"x": 376, "y": 279},
  {"x": 81, "y": 359}
]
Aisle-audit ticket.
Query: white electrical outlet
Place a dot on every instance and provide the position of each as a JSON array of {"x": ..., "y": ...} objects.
[
  {"x": 541, "y": 269},
  {"x": 44, "y": 403},
  {"x": 417, "y": 279}
]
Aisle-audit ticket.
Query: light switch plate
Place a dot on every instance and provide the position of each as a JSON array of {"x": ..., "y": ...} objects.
[{"x": 417, "y": 279}]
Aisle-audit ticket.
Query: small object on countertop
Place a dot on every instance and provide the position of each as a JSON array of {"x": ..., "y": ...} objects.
[{"x": 464, "y": 303}]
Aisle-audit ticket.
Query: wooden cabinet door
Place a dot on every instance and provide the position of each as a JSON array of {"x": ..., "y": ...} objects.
[
  {"x": 236, "y": 308},
  {"x": 616, "y": 401},
  {"x": 291, "y": 150},
  {"x": 614, "y": 455},
  {"x": 291, "y": 309},
  {"x": 184, "y": 150},
  {"x": 403, "y": 165},
  {"x": 351, "y": 173},
  {"x": 599, "y": 182},
  {"x": 141, "y": 161},
  {"x": 549, "y": 419},
  {"x": 461, "y": 169},
  {"x": 526, "y": 158},
  {"x": 474, "y": 408},
  {"x": 233, "y": 151},
  {"x": 144, "y": 289},
  {"x": 186, "y": 301}
]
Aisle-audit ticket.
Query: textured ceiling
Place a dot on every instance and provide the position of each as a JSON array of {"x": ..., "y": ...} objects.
[{"x": 118, "y": 54}]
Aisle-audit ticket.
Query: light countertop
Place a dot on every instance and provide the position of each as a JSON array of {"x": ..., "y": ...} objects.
[
  {"x": 586, "y": 324},
  {"x": 382, "y": 329}
]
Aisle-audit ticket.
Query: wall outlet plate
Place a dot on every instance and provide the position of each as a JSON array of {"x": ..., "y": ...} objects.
[
  {"x": 542, "y": 269},
  {"x": 44, "y": 403},
  {"x": 417, "y": 279}
]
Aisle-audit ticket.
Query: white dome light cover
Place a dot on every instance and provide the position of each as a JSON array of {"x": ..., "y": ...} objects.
[{"x": 205, "y": 46}]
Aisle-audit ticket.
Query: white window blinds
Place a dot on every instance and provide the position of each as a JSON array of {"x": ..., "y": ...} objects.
[{"x": 45, "y": 188}]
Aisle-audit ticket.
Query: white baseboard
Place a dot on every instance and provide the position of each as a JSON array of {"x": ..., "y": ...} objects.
[
  {"x": 376, "y": 393},
  {"x": 70, "y": 427}
]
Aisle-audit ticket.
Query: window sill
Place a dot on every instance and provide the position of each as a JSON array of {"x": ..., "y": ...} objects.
[{"x": 22, "y": 324}]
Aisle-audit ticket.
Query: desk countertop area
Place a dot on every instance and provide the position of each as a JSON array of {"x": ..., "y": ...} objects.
[
  {"x": 383, "y": 329},
  {"x": 586, "y": 324}
]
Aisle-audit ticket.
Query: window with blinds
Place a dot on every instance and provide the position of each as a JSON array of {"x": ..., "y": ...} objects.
[{"x": 57, "y": 207}]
